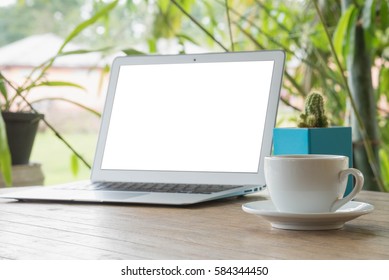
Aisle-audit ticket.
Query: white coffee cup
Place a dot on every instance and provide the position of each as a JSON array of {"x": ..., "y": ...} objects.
[{"x": 310, "y": 183}]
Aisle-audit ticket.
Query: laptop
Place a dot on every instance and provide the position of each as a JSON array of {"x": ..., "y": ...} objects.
[{"x": 180, "y": 129}]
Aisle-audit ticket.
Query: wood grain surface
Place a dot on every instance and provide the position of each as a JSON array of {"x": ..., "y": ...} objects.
[{"x": 213, "y": 230}]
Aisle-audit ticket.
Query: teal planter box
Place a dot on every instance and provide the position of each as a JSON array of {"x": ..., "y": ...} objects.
[{"x": 330, "y": 140}]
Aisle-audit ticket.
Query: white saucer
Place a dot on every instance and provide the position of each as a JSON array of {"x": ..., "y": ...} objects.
[{"x": 315, "y": 221}]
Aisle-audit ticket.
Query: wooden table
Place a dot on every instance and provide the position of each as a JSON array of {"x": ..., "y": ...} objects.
[{"x": 214, "y": 230}]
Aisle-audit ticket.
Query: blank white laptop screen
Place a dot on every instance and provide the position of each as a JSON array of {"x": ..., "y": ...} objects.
[{"x": 206, "y": 117}]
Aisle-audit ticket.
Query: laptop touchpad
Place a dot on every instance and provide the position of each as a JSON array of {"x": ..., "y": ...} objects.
[{"x": 115, "y": 195}]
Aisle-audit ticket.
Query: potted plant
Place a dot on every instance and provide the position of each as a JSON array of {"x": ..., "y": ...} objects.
[
  {"x": 18, "y": 126},
  {"x": 21, "y": 126},
  {"x": 313, "y": 135}
]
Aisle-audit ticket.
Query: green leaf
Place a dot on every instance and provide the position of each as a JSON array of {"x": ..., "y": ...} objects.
[
  {"x": 89, "y": 109},
  {"x": 79, "y": 28},
  {"x": 83, "y": 51},
  {"x": 59, "y": 84},
  {"x": 130, "y": 5},
  {"x": 384, "y": 14},
  {"x": 187, "y": 4},
  {"x": 152, "y": 42},
  {"x": 341, "y": 31},
  {"x": 74, "y": 165},
  {"x": 368, "y": 14},
  {"x": 187, "y": 38},
  {"x": 3, "y": 89},
  {"x": 384, "y": 162},
  {"x": 384, "y": 82},
  {"x": 316, "y": 38},
  {"x": 5, "y": 156},
  {"x": 106, "y": 68},
  {"x": 349, "y": 46},
  {"x": 164, "y": 5},
  {"x": 132, "y": 52}
]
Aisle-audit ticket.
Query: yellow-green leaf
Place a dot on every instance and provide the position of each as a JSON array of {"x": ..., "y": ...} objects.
[
  {"x": 164, "y": 5},
  {"x": 132, "y": 52},
  {"x": 152, "y": 42},
  {"x": 3, "y": 89},
  {"x": 384, "y": 160},
  {"x": 341, "y": 31},
  {"x": 83, "y": 51},
  {"x": 89, "y": 109},
  {"x": 74, "y": 165},
  {"x": 5, "y": 156},
  {"x": 384, "y": 82},
  {"x": 59, "y": 84},
  {"x": 79, "y": 28},
  {"x": 349, "y": 40}
]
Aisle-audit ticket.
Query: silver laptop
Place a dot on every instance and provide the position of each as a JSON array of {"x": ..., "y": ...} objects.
[{"x": 181, "y": 129}]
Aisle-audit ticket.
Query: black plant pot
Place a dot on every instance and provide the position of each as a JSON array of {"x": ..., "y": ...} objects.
[{"x": 21, "y": 130}]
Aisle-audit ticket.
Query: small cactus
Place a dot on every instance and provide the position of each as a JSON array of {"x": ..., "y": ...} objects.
[{"x": 314, "y": 115}]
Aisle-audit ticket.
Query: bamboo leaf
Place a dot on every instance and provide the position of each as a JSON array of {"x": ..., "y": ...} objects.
[
  {"x": 384, "y": 160},
  {"x": 82, "y": 51},
  {"x": 79, "y": 28},
  {"x": 349, "y": 45},
  {"x": 59, "y": 84},
  {"x": 384, "y": 82},
  {"x": 102, "y": 75},
  {"x": 74, "y": 165},
  {"x": 3, "y": 89},
  {"x": 187, "y": 38},
  {"x": 198, "y": 24},
  {"x": 187, "y": 4},
  {"x": 164, "y": 5},
  {"x": 384, "y": 16},
  {"x": 132, "y": 52},
  {"x": 341, "y": 31},
  {"x": 69, "y": 101},
  {"x": 5, "y": 156},
  {"x": 152, "y": 42}
]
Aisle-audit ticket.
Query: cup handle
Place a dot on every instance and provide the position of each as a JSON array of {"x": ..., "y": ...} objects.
[{"x": 357, "y": 187}]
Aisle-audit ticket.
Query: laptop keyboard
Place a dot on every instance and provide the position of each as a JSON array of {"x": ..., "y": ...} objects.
[{"x": 154, "y": 187}]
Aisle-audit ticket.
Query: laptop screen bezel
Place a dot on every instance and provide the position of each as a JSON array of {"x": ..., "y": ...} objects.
[{"x": 230, "y": 178}]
